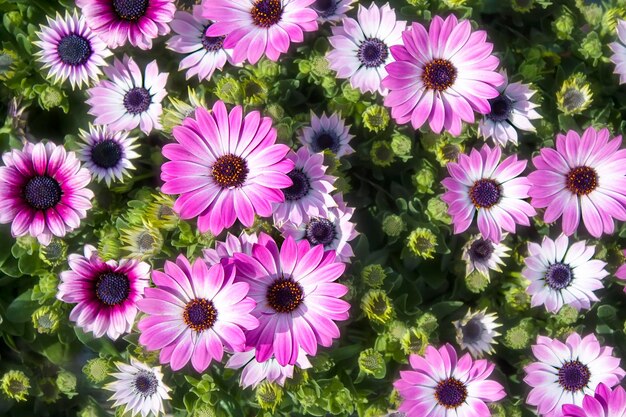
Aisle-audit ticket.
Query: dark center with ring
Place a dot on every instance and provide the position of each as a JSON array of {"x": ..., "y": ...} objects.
[
  {"x": 372, "y": 53},
  {"x": 300, "y": 187},
  {"x": 42, "y": 192},
  {"x": 574, "y": 376},
  {"x": 450, "y": 393},
  {"x": 106, "y": 153},
  {"x": 267, "y": 13},
  {"x": 439, "y": 74},
  {"x": 74, "y": 50},
  {"x": 112, "y": 288},
  {"x": 130, "y": 10},
  {"x": 485, "y": 193},
  {"x": 200, "y": 314},
  {"x": 137, "y": 100},
  {"x": 582, "y": 180},
  {"x": 320, "y": 231},
  {"x": 230, "y": 171},
  {"x": 284, "y": 295}
]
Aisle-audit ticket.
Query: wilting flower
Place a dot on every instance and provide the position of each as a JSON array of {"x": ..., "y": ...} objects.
[
  {"x": 619, "y": 51},
  {"x": 476, "y": 332},
  {"x": 575, "y": 95},
  {"x": 255, "y": 372},
  {"x": 327, "y": 132},
  {"x": 332, "y": 10},
  {"x": 565, "y": 372},
  {"x": 603, "y": 403},
  {"x": 482, "y": 255}
]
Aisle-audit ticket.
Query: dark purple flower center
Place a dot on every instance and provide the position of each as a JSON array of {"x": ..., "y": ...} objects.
[
  {"x": 74, "y": 49},
  {"x": 112, "y": 288},
  {"x": 481, "y": 250},
  {"x": 325, "y": 141},
  {"x": 501, "y": 108},
  {"x": 200, "y": 314},
  {"x": 106, "y": 153},
  {"x": 325, "y": 8},
  {"x": 137, "y": 100},
  {"x": 284, "y": 295},
  {"x": 485, "y": 193},
  {"x": 574, "y": 376},
  {"x": 300, "y": 187},
  {"x": 146, "y": 383},
  {"x": 212, "y": 43},
  {"x": 267, "y": 13},
  {"x": 450, "y": 393},
  {"x": 372, "y": 52},
  {"x": 439, "y": 74},
  {"x": 320, "y": 232},
  {"x": 230, "y": 171},
  {"x": 582, "y": 180},
  {"x": 130, "y": 10},
  {"x": 472, "y": 331},
  {"x": 559, "y": 276},
  {"x": 42, "y": 192}
]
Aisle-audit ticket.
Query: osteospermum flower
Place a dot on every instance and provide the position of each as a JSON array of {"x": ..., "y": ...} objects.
[
  {"x": 565, "y": 372},
  {"x": 256, "y": 27},
  {"x": 105, "y": 293},
  {"x": 255, "y": 372},
  {"x": 139, "y": 388},
  {"x": 511, "y": 110},
  {"x": 442, "y": 75},
  {"x": 575, "y": 95},
  {"x": 482, "y": 255},
  {"x": 619, "y": 51},
  {"x": 194, "y": 312},
  {"x": 361, "y": 47},
  {"x": 136, "y": 21},
  {"x": 225, "y": 168},
  {"x": 42, "y": 191},
  {"x": 331, "y": 10},
  {"x": 107, "y": 154},
  {"x": 621, "y": 271},
  {"x": 297, "y": 299},
  {"x": 561, "y": 275},
  {"x": 585, "y": 176},
  {"x": 128, "y": 98},
  {"x": 327, "y": 132},
  {"x": 231, "y": 245},
  {"x": 480, "y": 183},
  {"x": 70, "y": 50},
  {"x": 476, "y": 332},
  {"x": 204, "y": 53},
  {"x": 605, "y": 402},
  {"x": 441, "y": 385}
]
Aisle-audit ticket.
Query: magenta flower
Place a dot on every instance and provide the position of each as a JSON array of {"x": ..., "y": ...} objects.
[
  {"x": 603, "y": 403},
  {"x": 440, "y": 385},
  {"x": 225, "y": 168},
  {"x": 136, "y": 21},
  {"x": 253, "y": 28},
  {"x": 229, "y": 247},
  {"x": 567, "y": 371},
  {"x": 42, "y": 191},
  {"x": 442, "y": 75},
  {"x": 105, "y": 293},
  {"x": 480, "y": 183},
  {"x": 297, "y": 299},
  {"x": 194, "y": 312},
  {"x": 585, "y": 176}
]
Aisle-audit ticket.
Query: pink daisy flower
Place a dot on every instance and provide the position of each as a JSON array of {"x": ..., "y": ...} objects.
[
  {"x": 619, "y": 51},
  {"x": 230, "y": 246},
  {"x": 128, "y": 98},
  {"x": 442, "y": 75},
  {"x": 361, "y": 47},
  {"x": 441, "y": 385},
  {"x": 327, "y": 133},
  {"x": 480, "y": 183},
  {"x": 603, "y": 403},
  {"x": 194, "y": 312},
  {"x": 204, "y": 53},
  {"x": 42, "y": 191},
  {"x": 256, "y": 27},
  {"x": 136, "y": 21},
  {"x": 226, "y": 167},
  {"x": 585, "y": 176},
  {"x": 567, "y": 371},
  {"x": 105, "y": 293},
  {"x": 621, "y": 271},
  {"x": 297, "y": 299}
]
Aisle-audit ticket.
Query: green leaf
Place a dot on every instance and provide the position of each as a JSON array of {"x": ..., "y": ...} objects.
[
  {"x": 99, "y": 345},
  {"x": 20, "y": 310},
  {"x": 445, "y": 308}
]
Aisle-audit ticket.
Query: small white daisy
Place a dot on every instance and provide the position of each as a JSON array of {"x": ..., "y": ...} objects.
[
  {"x": 619, "y": 51},
  {"x": 476, "y": 332},
  {"x": 332, "y": 10},
  {"x": 327, "y": 133},
  {"x": 255, "y": 372},
  {"x": 482, "y": 255}
]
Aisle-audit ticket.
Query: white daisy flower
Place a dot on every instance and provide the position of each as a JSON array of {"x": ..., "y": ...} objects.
[
  {"x": 332, "y": 10},
  {"x": 255, "y": 372},
  {"x": 619, "y": 51},
  {"x": 476, "y": 332},
  {"x": 327, "y": 132},
  {"x": 482, "y": 255}
]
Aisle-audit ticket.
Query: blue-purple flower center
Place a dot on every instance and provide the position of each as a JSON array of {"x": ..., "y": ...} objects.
[
  {"x": 146, "y": 383},
  {"x": 485, "y": 193},
  {"x": 212, "y": 43},
  {"x": 300, "y": 187},
  {"x": 112, "y": 288},
  {"x": 481, "y": 250},
  {"x": 325, "y": 140},
  {"x": 137, "y": 100},
  {"x": 230, "y": 171},
  {"x": 130, "y": 10},
  {"x": 284, "y": 295},
  {"x": 559, "y": 276},
  {"x": 325, "y": 8},
  {"x": 501, "y": 108},
  {"x": 450, "y": 393},
  {"x": 320, "y": 231},
  {"x": 582, "y": 180},
  {"x": 267, "y": 13},
  {"x": 42, "y": 192},
  {"x": 199, "y": 314},
  {"x": 74, "y": 49},
  {"x": 373, "y": 52},
  {"x": 106, "y": 153},
  {"x": 574, "y": 376},
  {"x": 472, "y": 331},
  {"x": 439, "y": 74}
]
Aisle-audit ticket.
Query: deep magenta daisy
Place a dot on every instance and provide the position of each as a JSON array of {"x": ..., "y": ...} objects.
[
  {"x": 585, "y": 176},
  {"x": 226, "y": 167},
  {"x": 440, "y": 385},
  {"x": 605, "y": 402},
  {"x": 297, "y": 299},
  {"x": 480, "y": 183},
  {"x": 256, "y": 27},
  {"x": 42, "y": 191},
  {"x": 194, "y": 312},
  {"x": 105, "y": 293},
  {"x": 442, "y": 75},
  {"x": 136, "y": 21}
]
